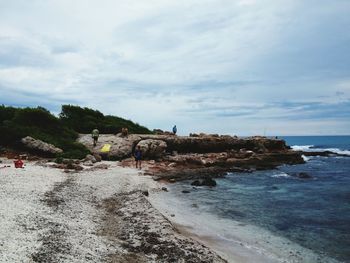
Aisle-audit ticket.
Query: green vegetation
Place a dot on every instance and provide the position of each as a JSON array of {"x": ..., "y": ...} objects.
[
  {"x": 84, "y": 120},
  {"x": 39, "y": 123}
]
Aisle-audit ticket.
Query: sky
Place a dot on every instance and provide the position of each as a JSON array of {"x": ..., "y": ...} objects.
[{"x": 244, "y": 67}]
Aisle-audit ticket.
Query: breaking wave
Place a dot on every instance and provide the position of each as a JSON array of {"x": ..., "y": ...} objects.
[{"x": 312, "y": 148}]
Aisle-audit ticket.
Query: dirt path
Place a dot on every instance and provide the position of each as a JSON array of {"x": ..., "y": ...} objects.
[{"x": 69, "y": 229}]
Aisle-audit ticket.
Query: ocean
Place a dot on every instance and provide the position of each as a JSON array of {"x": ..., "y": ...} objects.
[{"x": 299, "y": 220}]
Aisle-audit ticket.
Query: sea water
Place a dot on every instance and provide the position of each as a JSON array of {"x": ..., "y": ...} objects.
[{"x": 286, "y": 217}]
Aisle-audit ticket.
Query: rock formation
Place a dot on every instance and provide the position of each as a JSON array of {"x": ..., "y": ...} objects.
[
  {"x": 152, "y": 148},
  {"x": 215, "y": 143},
  {"x": 121, "y": 147},
  {"x": 196, "y": 157},
  {"x": 40, "y": 147}
]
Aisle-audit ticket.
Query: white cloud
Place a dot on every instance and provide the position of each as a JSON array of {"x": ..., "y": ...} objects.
[{"x": 202, "y": 64}]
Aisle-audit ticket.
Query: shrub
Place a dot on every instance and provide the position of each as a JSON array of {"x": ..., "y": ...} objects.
[
  {"x": 38, "y": 123},
  {"x": 84, "y": 120}
]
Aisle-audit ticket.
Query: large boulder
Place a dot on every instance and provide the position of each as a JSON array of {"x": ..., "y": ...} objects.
[
  {"x": 40, "y": 146},
  {"x": 121, "y": 147},
  {"x": 152, "y": 148}
]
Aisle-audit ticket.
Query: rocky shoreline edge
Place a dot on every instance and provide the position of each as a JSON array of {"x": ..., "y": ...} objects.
[{"x": 174, "y": 158}]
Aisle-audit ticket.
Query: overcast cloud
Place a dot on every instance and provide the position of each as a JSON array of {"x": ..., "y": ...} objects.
[{"x": 236, "y": 67}]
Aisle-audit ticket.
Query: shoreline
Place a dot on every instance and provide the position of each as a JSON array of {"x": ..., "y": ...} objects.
[
  {"x": 113, "y": 201},
  {"x": 233, "y": 240}
]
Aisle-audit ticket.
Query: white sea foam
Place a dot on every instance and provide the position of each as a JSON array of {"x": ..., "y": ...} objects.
[
  {"x": 302, "y": 147},
  {"x": 280, "y": 175},
  {"x": 338, "y": 151},
  {"x": 309, "y": 148},
  {"x": 305, "y": 158}
]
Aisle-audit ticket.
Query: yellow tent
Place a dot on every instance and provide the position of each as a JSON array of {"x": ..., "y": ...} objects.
[{"x": 105, "y": 148}]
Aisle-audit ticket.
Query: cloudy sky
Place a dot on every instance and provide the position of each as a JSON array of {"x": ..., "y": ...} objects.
[{"x": 226, "y": 66}]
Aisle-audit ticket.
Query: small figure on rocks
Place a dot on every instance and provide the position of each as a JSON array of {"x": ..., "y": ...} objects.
[
  {"x": 138, "y": 157},
  {"x": 174, "y": 130},
  {"x": 94, "y": 134},
  {"x": 125, "y": 132}
]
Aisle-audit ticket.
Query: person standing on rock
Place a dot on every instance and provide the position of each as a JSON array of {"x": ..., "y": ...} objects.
[
  {"x": 138, "y": 157},
  {"x": 174, "y": 130},
  {"x": 95, "y": 133}
]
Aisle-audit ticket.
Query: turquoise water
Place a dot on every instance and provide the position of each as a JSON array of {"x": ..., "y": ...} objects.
[{"x": 314, "y": 213}]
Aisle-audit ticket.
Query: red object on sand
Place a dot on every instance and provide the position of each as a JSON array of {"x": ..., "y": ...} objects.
[{"x": 18, "y": 164}]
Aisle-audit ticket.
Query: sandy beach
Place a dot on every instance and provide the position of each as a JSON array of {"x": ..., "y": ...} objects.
[{"x": 98, "y": 215}]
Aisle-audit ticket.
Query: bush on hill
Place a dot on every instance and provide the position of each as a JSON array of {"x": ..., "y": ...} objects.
[
  {"x": 39, "y": 123},
  {"x": 84, "y": 120}
]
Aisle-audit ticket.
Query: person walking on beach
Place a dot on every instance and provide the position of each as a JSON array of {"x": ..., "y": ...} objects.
[
  {"x": 94, "y": 134},
  {"x": 174, "y": 130},
  {"x": 138, "y": 157}
]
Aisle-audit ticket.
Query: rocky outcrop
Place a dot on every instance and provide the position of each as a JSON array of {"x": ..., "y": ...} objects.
[
  {"x": 161, "y": 132},
  {"x": 245, "y": 160},
  {"x": 186, "y": 173},
  {"x": 215, "y": 143},
  {"x": 152, "y": 148},
  {"x": 184, "y": 157},
  {"x": 121, "y": 147},
  {"x": 266, "y": 160},
  {"x": 40, "y": 147},
  {"x": 201, "y": 166}
]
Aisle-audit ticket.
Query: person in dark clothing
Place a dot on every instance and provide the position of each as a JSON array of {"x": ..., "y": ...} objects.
[
  {"x": 138, "y": 157},
  {"x": 174, "y": 130}
]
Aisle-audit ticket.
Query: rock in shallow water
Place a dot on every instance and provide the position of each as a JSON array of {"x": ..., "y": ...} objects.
[
  {"x": 205, "y": 182},
  {"x": 196, "y": 183},
  {"x": 302, "y": 175},
  {"x": 209, "y": 182}
]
